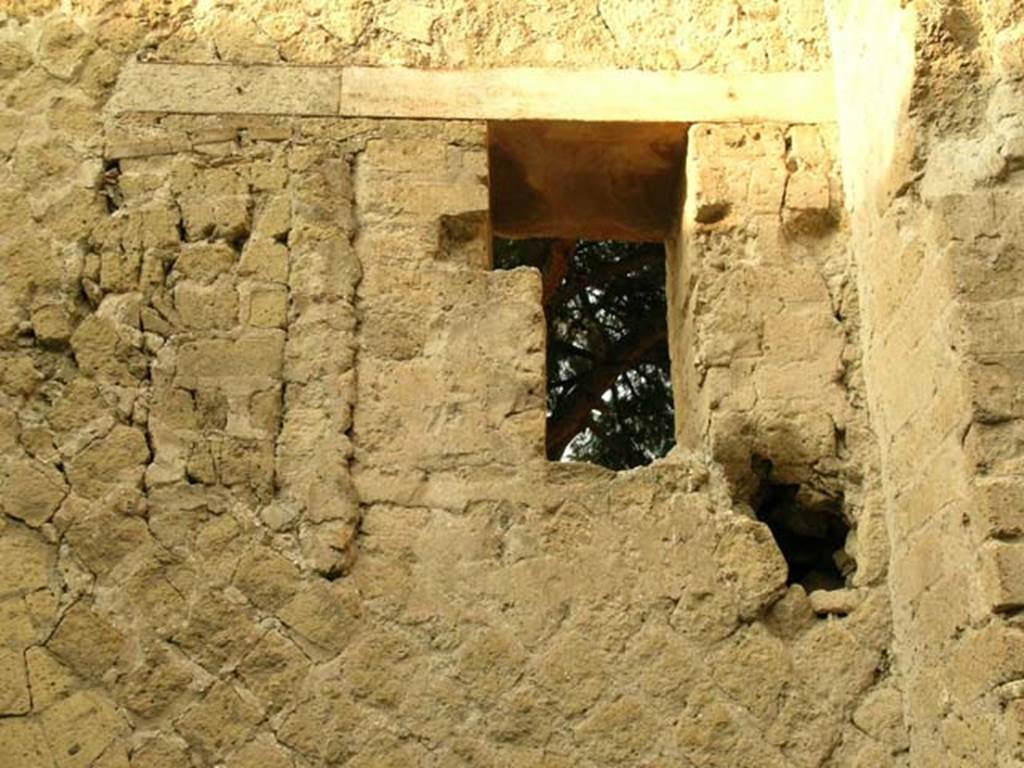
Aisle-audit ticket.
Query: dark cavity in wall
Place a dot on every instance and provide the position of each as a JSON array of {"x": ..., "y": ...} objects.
[
  {"x": 609, "y": 392},
  {"x": 809, "y": 529}
]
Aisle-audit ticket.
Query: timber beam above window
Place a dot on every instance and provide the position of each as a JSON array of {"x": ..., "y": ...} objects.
[{"x": 482, "y": 94}]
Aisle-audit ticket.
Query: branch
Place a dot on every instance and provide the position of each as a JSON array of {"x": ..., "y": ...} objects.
[
  {"x": 603, "y": 274},
  {"x": 573, "y": 413},
  {"x": 556, "y": 268}
]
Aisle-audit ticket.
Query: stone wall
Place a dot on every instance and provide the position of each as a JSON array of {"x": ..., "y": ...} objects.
[
  {"x": 271, "y": 435},
  {"x": 936, "y": 245},
  {"x": 277, "y": 496}
]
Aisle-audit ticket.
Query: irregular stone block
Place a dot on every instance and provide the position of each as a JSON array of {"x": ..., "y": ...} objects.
[
  {"x": 267, "y": 578},
  {"x": 324, "y": 614},
  {"x": 14, "y": 691},
  {"x": 207, "y": 307},
  {"x": 153, "y": 686},
  {"x": 117, "y": 459},
  {"x": 204, "y": 262},
  {"x": 1003, "y": 575},
  {"x": 23, "y": 743},
  {"x": 221, "y": 721},
  {"x": 87, "y": 643},
  {"x": 31, "y": 491},
  {"x": 264, "y": 259},
  {"x": 51, "y": 681},
  {"x": 26, "y": 561},
  {"x": 80, "y": 728},
  {"x": 218, "y": 632},
  {"x": 268, "y": 306},
  {"x": 274, "y": 671},
  {"x": 249, "y": 364}
]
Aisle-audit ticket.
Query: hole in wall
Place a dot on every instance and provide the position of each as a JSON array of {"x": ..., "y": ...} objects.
[
  {"x": 809, "y": 529},
  {"x": 111, "y": 185},
  {"x": 609, "y": 391}
]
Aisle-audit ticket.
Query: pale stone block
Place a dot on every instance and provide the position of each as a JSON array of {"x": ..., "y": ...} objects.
[
  {"x": 258, "y": 90},
  {"x": 26, "y": 561},
  {"x": 220, "y": 722},
  {"x": 31, "y": 491},
  {"x": 807, "y": 145},
  {"x": 1003, "y": 575},
  {"x": 261, "y": 753},
  {"x": 273, "y": 217},
  {"x": 754, "y": 670},
  {"x": 151, "y": 226},
  {"x": 155, "y": 684},
  {"x": 268, "y": 306},
  {"x": 80, "y": 728},
  {"x": 808, "y": 190},
  {"x": 161, "y": 752},
  {"x": 749, "y": 557},
  {"x": 52, "y": 323},
  {"x": 984, "y": 659},
  {"x": 938, "y": 482},
  {"x": 323, "y": 614},
  {"x": 207, "y": 307},
  {"x": 267, "y": 578},
  {"x": 51, "y": 681},
  {"x": 996, "y": 448},
  {"x": 249, "y": 364},
  {"x": 1001, "y": 506},
  {"x": 268, "y": 176},
  {"x": 204, "y": 262},
  {"x": 995, "y": 390},
  {"x": 958, "y": 166},
  {"x": 14, "y": 692},
  {"x": 23, "y": 743},
  {"x": 63, "y": 48},
  {"x": 119, "y": 458},
  {"x": 87, "y": 643},
  {"x": 274, "y": 670},
  {"x": 1009, "y": 51},
  {"x": 607, "y": 95},
  {"x": 880, "y": 716},
  {"x": 994, "y": 327},
  {"x": 944, "y": 416},
  {"x": 917, "y": 567},
  {"x": 841, "y": 602},
  {"x": 265, "y": 259},
  {"x": 406, "y": 156},
  {"x": 219, "y": 631},
  {"x": 970, "y": 738}
]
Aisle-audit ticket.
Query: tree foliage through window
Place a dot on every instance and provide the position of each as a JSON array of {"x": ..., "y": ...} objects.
[{"x": 609, "y": 386}]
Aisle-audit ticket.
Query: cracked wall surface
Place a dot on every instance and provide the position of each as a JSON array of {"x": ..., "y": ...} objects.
[{"x": 271, "y": 435}]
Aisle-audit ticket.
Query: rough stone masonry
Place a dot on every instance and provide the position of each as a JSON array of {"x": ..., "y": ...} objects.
[{"x": 272, "y": 480}]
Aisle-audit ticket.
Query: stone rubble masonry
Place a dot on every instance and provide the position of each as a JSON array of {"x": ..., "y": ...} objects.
[{"x": 272, "y": 486}]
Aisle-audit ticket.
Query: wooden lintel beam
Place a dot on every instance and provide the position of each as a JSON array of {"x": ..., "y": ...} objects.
[{"x": 482, "y": 94}]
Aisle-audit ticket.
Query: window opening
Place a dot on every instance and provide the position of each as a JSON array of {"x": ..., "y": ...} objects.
[
  {"x": 609, "y": 391},
  {"x": 591, "y": 206}
]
